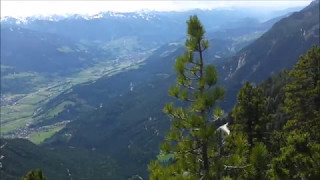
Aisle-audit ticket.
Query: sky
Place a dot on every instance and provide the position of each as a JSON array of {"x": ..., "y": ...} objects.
[{"x": 46, "y": 8}]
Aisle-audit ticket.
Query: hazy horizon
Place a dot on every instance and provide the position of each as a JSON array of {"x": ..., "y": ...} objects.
[{"x": 48, "y": 8}]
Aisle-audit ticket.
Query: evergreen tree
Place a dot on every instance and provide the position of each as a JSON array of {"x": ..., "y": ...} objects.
[
  {"x": 34, "y": 175},
  {"x": 247, "y": 154},
  {"x": 299, "y": 156},
  {"x": 250, "y": 113},
  {"x": 237, "y": 150},
  {"x": 192, "y": 136}
]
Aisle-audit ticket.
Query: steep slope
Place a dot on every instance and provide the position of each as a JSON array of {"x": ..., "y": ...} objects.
[
  {"x": 20, "y": 155},
  {"x": 157, "y": 67},
  {"x": 116, "y": 129},
  {"x": 278, "y": 48}
]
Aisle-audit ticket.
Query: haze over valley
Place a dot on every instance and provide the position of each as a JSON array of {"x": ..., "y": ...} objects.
[{"x": 82, "y": 95}]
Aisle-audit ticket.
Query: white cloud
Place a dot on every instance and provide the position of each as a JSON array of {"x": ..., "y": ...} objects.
[{"x": 30, "y": 8}]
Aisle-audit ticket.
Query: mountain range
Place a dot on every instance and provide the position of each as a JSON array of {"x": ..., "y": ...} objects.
[{"x": 116, "y": 122}]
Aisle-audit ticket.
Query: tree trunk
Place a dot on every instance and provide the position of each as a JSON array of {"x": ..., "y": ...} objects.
[
  {"x": 250, "y": 132},
  {"x": 205, "y": 160}
]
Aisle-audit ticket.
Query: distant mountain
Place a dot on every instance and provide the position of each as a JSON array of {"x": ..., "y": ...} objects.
[
  {"x": 121, "y": 116},
  {"x": 152, "y": 27},
  {"x": 28, "y": 50},
  {"x": 278, "y": 48},
  {"x": 59, "y": 45},
  {"x": 31, "y": 59},
  {"x": 124, "y": 118},
  {"x": 64, "y": 43}
]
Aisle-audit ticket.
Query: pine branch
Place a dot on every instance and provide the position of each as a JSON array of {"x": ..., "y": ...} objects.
[
  {"x": 190, "y": 72},
  {"x": 192, "y": 151},
  {"x": 187, "y": 86},
  {"x": 177, "y": 117},
  {"x": 190, "y": 78},
  {"x": 198, "y": 64},
  {"x": 226, "y": 167},
  {"x": 167, "y": 139},
  {"x": 201, "y": 111},
  {"x": 197, "y": 76},
  {"x": 190, "y": 100}
]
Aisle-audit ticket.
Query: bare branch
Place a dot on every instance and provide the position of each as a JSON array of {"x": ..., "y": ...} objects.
[{"x": 3, "y": 145}]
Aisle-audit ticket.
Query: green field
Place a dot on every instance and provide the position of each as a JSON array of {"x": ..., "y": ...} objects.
[
  {"x": 12, "y": 125},
  {"x": 56, "y": 110},
  {"x": 43, "y": 88},
  {"x": 39, "y": 137}
]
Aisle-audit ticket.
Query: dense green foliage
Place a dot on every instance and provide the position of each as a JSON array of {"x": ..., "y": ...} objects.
[
  {"x": 250, "y": 113},
  {"x": 300, "y": 146},
  {"x": 246, "y": 151},
  {"x": 283, "y": 140},
  {"x": 285, "y": 144},
  {"x": 274, "y": 127}
]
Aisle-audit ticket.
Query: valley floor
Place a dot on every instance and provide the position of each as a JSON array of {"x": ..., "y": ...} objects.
[{"x": 20, "y": 111}]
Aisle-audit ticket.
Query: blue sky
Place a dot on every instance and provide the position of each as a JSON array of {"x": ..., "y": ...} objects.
[{"x": 44, "y": 8}]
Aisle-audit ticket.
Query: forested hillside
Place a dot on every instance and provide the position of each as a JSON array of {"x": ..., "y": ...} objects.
[
  {"x": 261, "y": 142},
  {"x": 276, "y": 49}
]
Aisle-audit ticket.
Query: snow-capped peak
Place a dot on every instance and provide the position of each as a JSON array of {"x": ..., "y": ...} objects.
[{"x": 142, "y": 14}]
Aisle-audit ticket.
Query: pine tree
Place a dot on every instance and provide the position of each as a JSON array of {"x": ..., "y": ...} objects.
[
  {"x": 237, "y": 150},
  {"x": 299, "y": 156},
  {"x": 192, "y": 135},
  {"x": 247, "y": 154},
  {"x": 34, "y": 175},
  {"x": 250, "y": 113}
]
